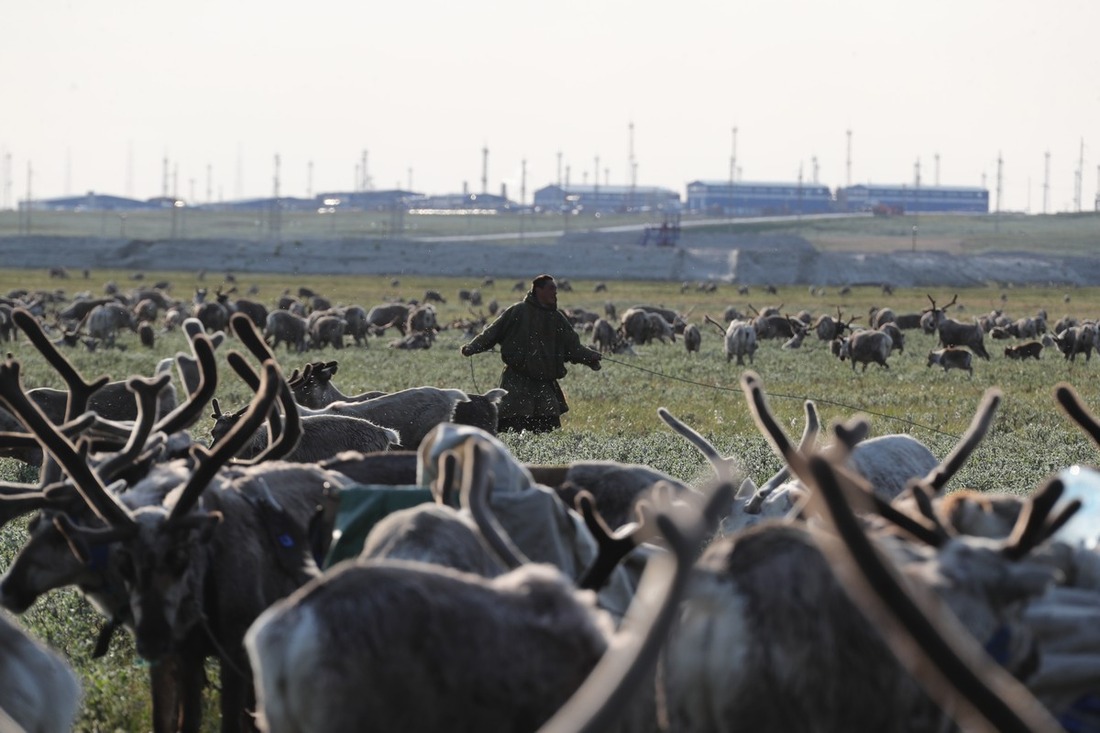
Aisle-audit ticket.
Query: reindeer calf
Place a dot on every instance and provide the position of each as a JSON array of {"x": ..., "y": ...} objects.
[
  {"x": 952, "y": 358},
  {"x": 1031, "y": 349}
]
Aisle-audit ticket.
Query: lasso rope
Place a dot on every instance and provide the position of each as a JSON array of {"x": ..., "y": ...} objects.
[
  {"x": 720, "y": 388},
  {"x": 785, "y": 396},
  {"x": 473, "y": 378}
]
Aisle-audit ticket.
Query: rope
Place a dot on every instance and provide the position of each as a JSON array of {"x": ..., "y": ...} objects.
[
  {"x": 803, "y": 398},
  {"x": 473, "y": 378},
  {"x": 785, "y": 396}
]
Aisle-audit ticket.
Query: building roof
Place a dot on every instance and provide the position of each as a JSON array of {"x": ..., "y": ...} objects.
[
  {"x": 615, "y": 190},
  {"x": 895, "y": 186},
  {"x": 97, "y": 201},
  {"x": 759, "y": 184}
]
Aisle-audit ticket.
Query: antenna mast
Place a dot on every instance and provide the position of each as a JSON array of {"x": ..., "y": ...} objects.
[
  {"x": 633, "y": 169},
  {"x": 596, "y": 184},
  {"x": 848, "y": 162},
  {"x": 522, "y": 197},
  {"x": 1078, "y": 176},
  {"x": 275, "y": 223},
  {"x": 130, "y": 168},
  {"x": 732, "y": 206},
  {"x": 5, "y": 203},
  {"x": 485, "y": 169},
  {"x": 30, "y": 197},
  {"x": 1000, "y": 180},
  {"x": 1046, "y": 180},
  {"x": 733, "y": 159},
  {"x": 239, "y": 183}
]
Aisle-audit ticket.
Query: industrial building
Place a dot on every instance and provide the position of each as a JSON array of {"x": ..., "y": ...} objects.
[
  {"x": 593, "y": 198},
  {"x": 756, "y": 198},
  {"x": 900, "y": 198}
]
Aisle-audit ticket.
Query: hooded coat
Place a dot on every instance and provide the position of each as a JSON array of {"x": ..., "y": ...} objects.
[{"x": 535, "y": 342}]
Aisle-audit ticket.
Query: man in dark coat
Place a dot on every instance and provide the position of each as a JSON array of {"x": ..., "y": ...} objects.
[{"x": 535, "y": 341}]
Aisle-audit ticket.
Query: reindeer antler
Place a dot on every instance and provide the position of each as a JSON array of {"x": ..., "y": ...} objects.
[
  {"x": 146, "y": 391},
  {"x": 926, "y": 640},
  {"x": 210, "y": 462},
  {"x": 613, "y": 546},
  {"x": 80, "y": 391},
  {"x": 1075, "y": 409},
  {"x": 979, "y": 427},
  {"x": 184, "y": 416},
  {"x": 284, "y": 433},
  {"x": 708, "y": 319},
  {"x": 1035, "y": 523},
  {"x": 101, "y": 501}
]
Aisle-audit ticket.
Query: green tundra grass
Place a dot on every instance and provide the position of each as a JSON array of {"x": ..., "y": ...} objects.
[{"x": 614, "y": 411}]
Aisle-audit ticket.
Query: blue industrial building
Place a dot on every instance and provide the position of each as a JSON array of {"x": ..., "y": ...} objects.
[
  {"x": 900, "y": 198},
  {"x": 755, "y": 198}
]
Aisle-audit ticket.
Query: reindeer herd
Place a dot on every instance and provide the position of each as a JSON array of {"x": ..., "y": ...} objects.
[
  {"x": 742, "y": 333},
  {"x": 850, "y": 591}
]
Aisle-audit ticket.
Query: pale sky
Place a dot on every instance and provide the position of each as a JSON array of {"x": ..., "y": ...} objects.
[{"x": 98, "y": 93}]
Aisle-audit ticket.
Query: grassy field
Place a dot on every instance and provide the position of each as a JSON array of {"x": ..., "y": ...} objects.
[{"x": 613, "y": 413}]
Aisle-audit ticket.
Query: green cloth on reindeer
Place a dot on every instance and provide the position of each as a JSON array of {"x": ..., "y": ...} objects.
[{"x": 361, "y": 507}]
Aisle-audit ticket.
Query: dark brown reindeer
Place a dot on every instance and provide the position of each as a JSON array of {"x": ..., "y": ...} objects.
[
  {"x": 956, "y": 333},
  {"x": 47, "y": 561},
  {"x": 187, "y": 543},
  {"x": 214, "y": 555},
  {"x": 828, "y": 328}
]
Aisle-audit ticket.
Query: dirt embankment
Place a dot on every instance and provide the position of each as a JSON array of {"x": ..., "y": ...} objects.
[{"x": 749, "y": 259}]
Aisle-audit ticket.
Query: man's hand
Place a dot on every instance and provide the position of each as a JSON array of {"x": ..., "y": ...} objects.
[
  {"x": 596, "y": 365},
  {"x": 466, "y": 350}
]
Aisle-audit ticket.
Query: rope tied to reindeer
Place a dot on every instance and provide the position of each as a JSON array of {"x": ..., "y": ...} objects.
[{"x": 771, "y": 393}]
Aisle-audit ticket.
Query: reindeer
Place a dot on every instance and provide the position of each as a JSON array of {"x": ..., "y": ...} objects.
[
  {"x": 313, "y": 387},
  {"x": 770, "y": 323},
  {"x": 1077, "y": 340},
  {"x": 48, "y": 561},
  {"x": 956, "y": 333},
  {"x": 197, "y": 537},
  {"x": 865, "y": 347},
  {"x": 693, "y": 338},
  {"x": 740, "y": 339},
  {"x": 302, "y": 686},
  {"x": 799, "y": 329},
  {"x": 411, "y": 412},
  {"x": 741, "y": 593},
  {"x": 38, "y": 690},
  {"x": 828, "y": 328},
  {"x": 952, "y": 359}
]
